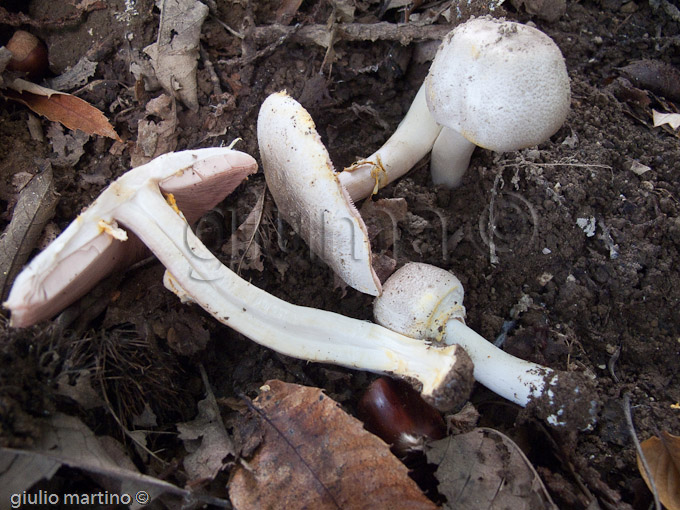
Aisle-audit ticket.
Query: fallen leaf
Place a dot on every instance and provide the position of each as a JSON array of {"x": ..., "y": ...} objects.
[
  {"x": 67, "y": 147},
  {"x": 68, "y": 441},
  {"x": 174, "y": 55},
  {"x": 71, "y": 111},
  {"x": 672, "y": 119},
  {"x": 244, "y": 251},
  {"x": 35, "y": 207},
  {"x": 486, "y": 470},
  {"x": 206, "y": 440},
  {"x": 74, "y": 77},
  {"x": 314, "y": 455},
  {"x": 78, "y": 386},
  {"x": 156, "y": 132},
  {"x": 663, "y": 457}
]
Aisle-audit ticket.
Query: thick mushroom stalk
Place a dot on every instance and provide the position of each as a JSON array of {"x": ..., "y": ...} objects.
[
  {"x": 409, "y": 143},
  {"x": 423, "y": 301},
  {"x": 494, "y": 83},
  {"x": 443, "y": 375},
  {"x": 88, "y": 251}
]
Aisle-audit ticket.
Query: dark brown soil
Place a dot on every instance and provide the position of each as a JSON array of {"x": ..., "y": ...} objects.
[{"x": 604, "y": 303}]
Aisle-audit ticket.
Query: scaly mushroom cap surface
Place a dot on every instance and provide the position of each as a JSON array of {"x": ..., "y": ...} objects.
[
  {"x": 310, "y": 198},
  {"x": 502, "y": 85},
  {"x": 418, "y": 300}
]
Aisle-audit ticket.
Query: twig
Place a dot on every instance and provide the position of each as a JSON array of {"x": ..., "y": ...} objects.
[
  {"x": 318, "y": 34},
  {"x": 638, "y": 448}
]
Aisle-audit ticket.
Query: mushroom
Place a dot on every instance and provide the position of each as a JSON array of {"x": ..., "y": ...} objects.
[
  {"x": 494, "y": 83},
  {"x": 424, "y": 301},
  {"x": 310, "y": 198},
  {"x": 443, "y": 375},
  {"x": 85, "y": 253}
]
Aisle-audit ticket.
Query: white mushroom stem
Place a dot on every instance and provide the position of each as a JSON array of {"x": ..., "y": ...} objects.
[
  {"x": 498, "y": 84},
  {"x": 506, "y": 375},
  {"x": 410, "y": 142},
  {"x": 424, "y": 301},
  {"x": 444, "y": 375},
  {"x": 450, "y": 158}
]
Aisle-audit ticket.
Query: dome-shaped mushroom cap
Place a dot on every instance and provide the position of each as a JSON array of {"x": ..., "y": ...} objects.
[
  {"x": 418, "y": 300},
  {"x": 502, "y": 85}
]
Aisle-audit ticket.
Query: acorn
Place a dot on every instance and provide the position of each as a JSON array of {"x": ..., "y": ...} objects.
[{"x": 29, "y": 55}]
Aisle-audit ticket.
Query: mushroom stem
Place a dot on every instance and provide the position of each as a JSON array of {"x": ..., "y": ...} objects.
[
  {"x": 512, "y": 378},
  {"x": 450, "y": 158},
  {"x": 424, "y": 301},
  {"x": 443, "y": 374},
  {"x": 411, "y": 141},
  {"x": 297, "y": 331}
]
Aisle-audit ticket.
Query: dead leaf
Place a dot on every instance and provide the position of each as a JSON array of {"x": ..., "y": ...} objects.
[
  {"x": 314, "y": 455},
  {"x": 174, "y": 56},
  {"x": 74, "y": 77},
  {"x": 67, "y": 147},
  {"x": 485, "y": 469},
  {"x": 244, "y": 251},
  {"x": 206, "y": 440},
  {"x": 34, "y": 209},
  {"x": 68, "y": 441},
  {"x": 672, "y": 119},
  {"x": 156, "y": 132},
  {"x": 78, "y": 387},
  {"x": 71, "y": 111},
  {"x": 663, "y": 457}
]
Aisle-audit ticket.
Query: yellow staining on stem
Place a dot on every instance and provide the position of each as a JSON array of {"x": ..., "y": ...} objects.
[{"x": 378, "y": 172}]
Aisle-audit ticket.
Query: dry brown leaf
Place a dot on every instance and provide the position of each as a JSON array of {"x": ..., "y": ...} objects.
[
  {"x": 68, "y": 441},
  {"x": 34, "y": 209},
  {"x": 663, "y": 457},
  {"x": 206, "y": 440},
  {"x": 174, "y": 56},
  {"x": 244, "y": 251},
  {"x": 157, "y": 131},
  {"x": 71, "y": 111},
  {"x": 485, "y": 469},
  {"x": 314, "y": 455}
]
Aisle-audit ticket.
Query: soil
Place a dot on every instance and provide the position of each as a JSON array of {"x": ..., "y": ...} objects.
[{"x": 582, "y": 268}]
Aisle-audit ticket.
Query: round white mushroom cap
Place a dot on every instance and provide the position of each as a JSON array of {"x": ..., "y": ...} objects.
[
  {"x": 418, "y": 300},
  {"x": 502, "y": 85}
]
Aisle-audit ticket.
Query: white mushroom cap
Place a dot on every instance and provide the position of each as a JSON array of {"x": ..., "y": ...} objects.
[
  {"x": 308, "y": 194},
  {"x": 418, "y": 300},
  {"x": 502, "y": 85}
]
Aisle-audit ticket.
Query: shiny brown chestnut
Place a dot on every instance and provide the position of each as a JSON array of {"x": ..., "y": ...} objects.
[
  {"x": 29, "y": 55},
  {"x": 395, "y": 412}
]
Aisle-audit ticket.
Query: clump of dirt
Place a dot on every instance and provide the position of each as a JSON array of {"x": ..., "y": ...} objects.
[{"x": 569, "y": 249}]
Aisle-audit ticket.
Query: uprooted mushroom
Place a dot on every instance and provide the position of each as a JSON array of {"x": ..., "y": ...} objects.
[
  {"x": 494, "y": 83},
  {"x": 424, "y": 301},
  {"x": 135, "y": 202}
]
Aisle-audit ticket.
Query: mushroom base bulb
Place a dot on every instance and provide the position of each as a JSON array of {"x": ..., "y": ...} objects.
[{"x": 503, "y": 85}]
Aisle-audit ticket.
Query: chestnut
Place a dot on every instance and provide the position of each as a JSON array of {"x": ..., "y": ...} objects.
[
  {"x": 395, "y": 412},
  {"x": 29, "y": 55}
]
